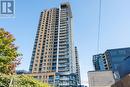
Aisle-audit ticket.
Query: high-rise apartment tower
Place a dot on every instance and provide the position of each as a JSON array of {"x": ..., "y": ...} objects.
[
  {"x": 112, "y": 59},
  {"x": 77, "y": 66},
  {"x": 53, "y": 58}
]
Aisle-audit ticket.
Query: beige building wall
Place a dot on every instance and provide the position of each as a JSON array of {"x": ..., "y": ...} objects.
[
  {"x": 43, "y": 52},
  {"x": 45, "y": 49},
  {"x": 42, "y": 76},
  {"x": 100, "y": 78}
]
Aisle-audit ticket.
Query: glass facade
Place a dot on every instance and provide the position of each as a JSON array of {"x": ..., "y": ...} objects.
[
  {"x": 113, "y": 59},
  {"x": 116, "y": 57},
  {"x": 124, "y": 67},
  {"x": 99, "y": 62}
]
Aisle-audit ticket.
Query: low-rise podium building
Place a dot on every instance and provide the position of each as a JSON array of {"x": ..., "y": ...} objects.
[{"x": 100, "y": 78}]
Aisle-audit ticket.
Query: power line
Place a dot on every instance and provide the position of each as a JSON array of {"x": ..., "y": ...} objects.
[{"x": 99, "y": 26}]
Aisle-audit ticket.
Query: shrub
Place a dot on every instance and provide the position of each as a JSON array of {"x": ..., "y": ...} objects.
[{"x": 20, "y": 81}]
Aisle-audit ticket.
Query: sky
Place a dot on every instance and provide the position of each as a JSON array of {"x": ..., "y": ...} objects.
[{"x": 114, "y": 32}]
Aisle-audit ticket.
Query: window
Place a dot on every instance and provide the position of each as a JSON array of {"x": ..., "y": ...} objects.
[
  {"x": 36, "y": 60},
  {"x": 35, "y": 64}
]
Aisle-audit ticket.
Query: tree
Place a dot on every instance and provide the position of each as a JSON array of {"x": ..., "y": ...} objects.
[
  {"x": 20, "y": 81},
  {"x": 8, "y": 53},
  {"x": 9, "y": 59}
]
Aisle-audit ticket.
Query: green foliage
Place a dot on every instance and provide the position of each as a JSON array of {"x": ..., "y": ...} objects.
[
  {"x": 20, "y": 81},
  {"x": 8, "y": 62},
  {"x": 8, "y": 52}
]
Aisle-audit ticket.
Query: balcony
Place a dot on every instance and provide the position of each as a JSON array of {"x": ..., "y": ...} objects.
[{"x": 61, "y": 65}]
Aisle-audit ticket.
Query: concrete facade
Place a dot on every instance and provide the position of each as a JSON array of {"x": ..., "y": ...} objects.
[{"x": 100, "y": 78}]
